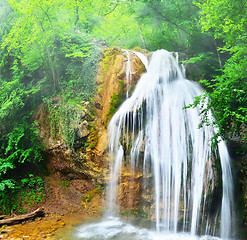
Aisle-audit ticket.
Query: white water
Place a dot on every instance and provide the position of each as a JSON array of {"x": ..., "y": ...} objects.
[
  {"x": 152, "y": 134},
  {"x": 115, "y": 228}
]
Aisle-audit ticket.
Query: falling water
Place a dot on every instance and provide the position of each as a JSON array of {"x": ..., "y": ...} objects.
[
  {"x": 128, "y": 72},
  {"x": 154, "y": 137},
  {"x": 165, "y": 138}
]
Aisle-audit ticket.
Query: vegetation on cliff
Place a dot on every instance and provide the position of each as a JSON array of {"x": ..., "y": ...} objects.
[
  {"x": 42, "y": 56},
  {"x": 50, "y": 53}
]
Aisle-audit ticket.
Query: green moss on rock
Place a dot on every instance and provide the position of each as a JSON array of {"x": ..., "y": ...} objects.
[{"x": 116, "y": 100}]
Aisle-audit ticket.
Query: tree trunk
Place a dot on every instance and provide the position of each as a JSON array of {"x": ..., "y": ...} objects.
[
  {"x": 142, "y": 38},
  {"x": 21, "y": 218}
]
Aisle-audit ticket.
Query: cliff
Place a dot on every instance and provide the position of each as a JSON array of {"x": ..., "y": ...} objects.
[{"x": 74, "y": 134}]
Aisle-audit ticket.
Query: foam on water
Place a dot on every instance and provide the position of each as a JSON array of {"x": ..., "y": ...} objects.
[{"x": 115, "y": 228}]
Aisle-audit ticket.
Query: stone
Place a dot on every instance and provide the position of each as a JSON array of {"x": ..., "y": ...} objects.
[
  {"x": 98, "y": 105},
  {"x": 82, "y": 114},
  {"x": 102, "y": 142},
  {"x": 83, "y": 129}
]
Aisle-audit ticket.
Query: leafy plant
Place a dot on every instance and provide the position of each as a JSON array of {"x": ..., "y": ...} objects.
[
  {"x": 227, "y": 91},
  {"x": 27, "y": 192},
  {"x": 87, "y": 197},
  {"x": 65, "y": 183}
]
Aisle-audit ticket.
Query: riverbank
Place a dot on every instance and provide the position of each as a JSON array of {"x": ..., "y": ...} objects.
[
  {"x": 49, "y": 227},
  {"x": 64, "y": 207}
]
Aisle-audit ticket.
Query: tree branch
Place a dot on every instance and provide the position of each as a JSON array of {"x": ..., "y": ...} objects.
[
  {"x": 111, "y": 10},
  {"x": 168, "y": 20}
]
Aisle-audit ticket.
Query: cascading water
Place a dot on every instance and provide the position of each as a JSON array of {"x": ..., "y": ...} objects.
[{"x": 154, "y": 137}]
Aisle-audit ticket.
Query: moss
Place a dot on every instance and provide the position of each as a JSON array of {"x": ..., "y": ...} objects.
[
  {"x": 139, "y": 213},
  {"x": 63, "y": 118},
  {"x": 93, "y": 140},
  {"x": 65, "y": 183},
  {"x": 92, "y": 146},
  {"x": 116, "y": 100},
  {"x": 53, "y": 119},
  {"x": 111, "y": 112},
  {"x": 109, "y": 58},
  {"x": 137, "y": 49},
  {"x": 76, "y": 103},
  {"x": 87, "y": 197}
]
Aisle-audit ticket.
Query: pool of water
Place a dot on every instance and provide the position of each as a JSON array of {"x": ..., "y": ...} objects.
[{"x": 116, "y": 229}]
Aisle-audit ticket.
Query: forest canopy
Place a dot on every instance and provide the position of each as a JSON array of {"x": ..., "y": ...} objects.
[{"x": 48, "y": 46}]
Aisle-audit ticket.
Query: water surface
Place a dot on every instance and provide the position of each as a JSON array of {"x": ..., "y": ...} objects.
[{"x": 116, "y": 229}]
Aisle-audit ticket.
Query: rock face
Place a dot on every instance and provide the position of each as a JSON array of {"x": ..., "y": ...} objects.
[
  {"x": 70, "y": 166},
  {"x": 112, "y": 86},
  {"x": 75, "y": 134},
  {"x": 111, "y": 79}
]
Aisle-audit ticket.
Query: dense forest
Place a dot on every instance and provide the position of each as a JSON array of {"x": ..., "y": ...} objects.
[{"x": 51, "y": 48}]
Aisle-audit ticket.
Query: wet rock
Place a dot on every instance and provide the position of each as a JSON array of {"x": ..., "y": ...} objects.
[{"x": 111, "y": 78}]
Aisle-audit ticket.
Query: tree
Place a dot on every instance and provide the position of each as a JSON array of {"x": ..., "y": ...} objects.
[
  {"x": 226, "y": 19},
  {"x": 41, "y": 55}
]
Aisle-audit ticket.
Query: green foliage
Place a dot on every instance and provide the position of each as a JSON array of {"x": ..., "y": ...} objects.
[
  {"x": 42, "y": 54},
  {"x": 79, "y": 78},
  {"x": 68, "y": 118},
  {"x": 88, "y": 196},
  {"x": 54, "y": 119},
  {"x": 227, "y": 91},
  {"x": 32, "y": 190},
  {"x": 65, "y": 183},
  {"x": 64, "y": 118},
  {"x": 20, "y": 150},
  {"x": 8, "y": 183},
  {"x": 21, "y": 144},
  {"x": 150, "y": 24},
  {"x": 27, "y": 193},
  {"x": 207, "y": 64}
]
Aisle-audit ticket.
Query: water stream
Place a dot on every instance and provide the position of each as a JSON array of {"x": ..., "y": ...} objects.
[{"x": 162, "y": 158}]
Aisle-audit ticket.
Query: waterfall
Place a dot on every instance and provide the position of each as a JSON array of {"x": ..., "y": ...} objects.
[
  {"x": 154, "y": 137},
  {"x": 162, "y": 164}
]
